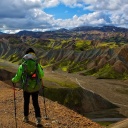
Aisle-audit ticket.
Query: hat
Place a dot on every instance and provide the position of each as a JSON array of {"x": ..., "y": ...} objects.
[{"x": 29, "y": 50}]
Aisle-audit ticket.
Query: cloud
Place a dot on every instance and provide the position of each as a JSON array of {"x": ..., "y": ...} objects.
[
  {"x": 18, "y": 15},
  {"x": 94, "y": 19},
  {"x": 17, "y": 8},
  {"x": 50, "y": 3}
]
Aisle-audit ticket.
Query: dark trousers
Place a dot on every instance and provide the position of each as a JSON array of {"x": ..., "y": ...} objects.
[{"x": 34, "y": 95}]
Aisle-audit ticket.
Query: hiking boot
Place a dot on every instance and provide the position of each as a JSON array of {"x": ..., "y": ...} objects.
[
  {"x": 25, "y": 119},
  {"x": 38, "y": 122}
]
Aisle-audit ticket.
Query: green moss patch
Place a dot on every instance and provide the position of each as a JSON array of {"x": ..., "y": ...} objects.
[
  {"x": 82, "y": 45},
  {"x": 106, "y": 124},
  {"x": 107, "y": 72},
  {"x": 106, "y": 44},
  {"x": 62, "y": 82},
  {"x": 89, "y": 72}
]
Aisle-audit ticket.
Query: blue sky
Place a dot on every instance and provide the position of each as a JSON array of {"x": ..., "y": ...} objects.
[
  {"x": 65, "y": 12},
  {"x": 43, "y": 15}
]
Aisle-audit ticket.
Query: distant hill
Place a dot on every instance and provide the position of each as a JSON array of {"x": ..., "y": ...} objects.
[
  {"x": 102, "y": 29},
  {"x": 107, "y": 33},
  {"x": 29, "y": 33},
  {"x": 76, "y": 29}
]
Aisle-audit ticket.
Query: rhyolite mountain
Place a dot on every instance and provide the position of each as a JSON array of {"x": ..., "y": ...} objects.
[{"x": 99, "y": 51}]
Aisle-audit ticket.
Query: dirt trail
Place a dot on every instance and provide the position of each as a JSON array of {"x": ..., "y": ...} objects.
[{"x": 59, "y": 116}]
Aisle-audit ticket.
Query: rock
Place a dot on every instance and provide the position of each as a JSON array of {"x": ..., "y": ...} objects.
[{"x": 119, "y": 66}]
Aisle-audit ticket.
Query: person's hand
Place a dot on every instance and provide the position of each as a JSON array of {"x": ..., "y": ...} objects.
[
  {"x": 14, "y": 85},
  {"x": 43, "y": 86},
  {"x": 41, "y": 90}
]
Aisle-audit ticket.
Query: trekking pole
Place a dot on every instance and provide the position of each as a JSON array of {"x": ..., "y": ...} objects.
[
  {"x": 15, "y": 104},
  {"x": 46, "y": 116}
]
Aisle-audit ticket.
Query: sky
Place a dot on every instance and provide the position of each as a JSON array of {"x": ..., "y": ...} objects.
[{"x": 45, "y": 15}]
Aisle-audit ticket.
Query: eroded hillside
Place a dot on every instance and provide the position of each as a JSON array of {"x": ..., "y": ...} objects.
[{"x": 87, "y": 57}]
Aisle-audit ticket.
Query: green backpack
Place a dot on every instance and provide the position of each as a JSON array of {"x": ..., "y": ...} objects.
[{"x": 30, "y": 75}]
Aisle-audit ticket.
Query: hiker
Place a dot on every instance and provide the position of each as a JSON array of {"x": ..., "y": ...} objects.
[{"x": 30, "y": 74}]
